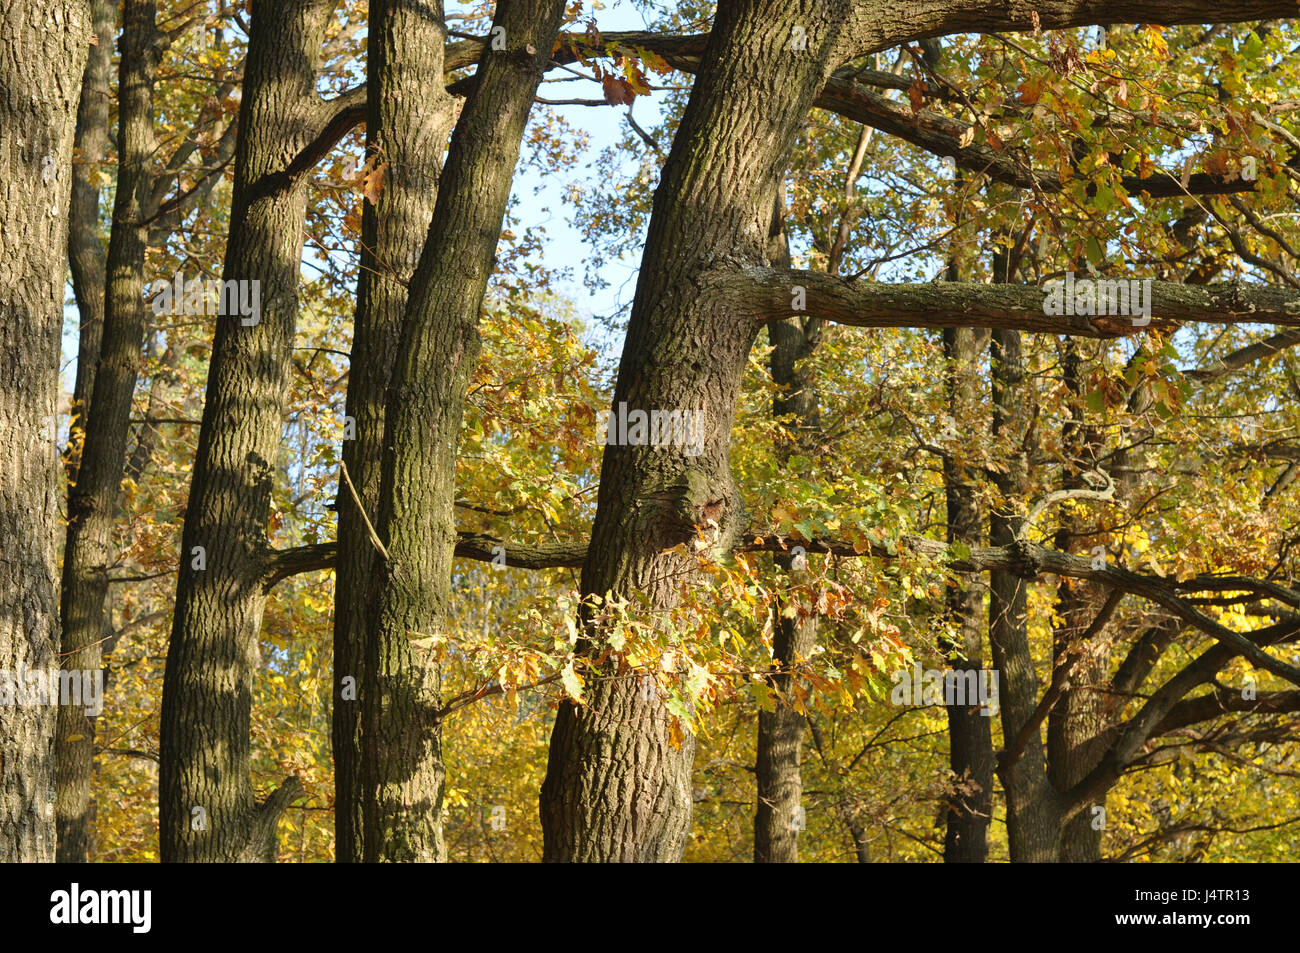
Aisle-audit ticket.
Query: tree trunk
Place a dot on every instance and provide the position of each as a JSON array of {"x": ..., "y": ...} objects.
[
  {"x": 402, "y": 771},
  {"x": 94, "y": 501},
  {"x": 1074, "y": 732},
  {"x": 86, "y": 255},
  {"x": 43, "y": 48},
  {"x": 207, "y": 808},
  {"x": 778, "y": 815},
  {"x": 970, "y": 748},
  {"x": 1032, "y": 813},
  {"x": 616, "y": 788},
  {"x": 408, "y": 117}
]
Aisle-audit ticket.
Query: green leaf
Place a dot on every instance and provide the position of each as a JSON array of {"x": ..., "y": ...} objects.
[{"x": 572, "y": 682}]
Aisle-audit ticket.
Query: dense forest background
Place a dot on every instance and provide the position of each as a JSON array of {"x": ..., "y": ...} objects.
[{"x": 366, "y": 583}]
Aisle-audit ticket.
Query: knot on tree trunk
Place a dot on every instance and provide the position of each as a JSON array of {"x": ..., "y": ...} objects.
[
  {"x": 692, "y": 511},
  {"x": 1028, "y": 562}
]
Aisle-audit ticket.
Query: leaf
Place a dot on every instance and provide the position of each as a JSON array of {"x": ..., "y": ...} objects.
[
  {"x": 1105, "y": 199},
  {"x": 572, "y": 682},
  {"x": 916, "y": 95},
  {"x": 635, "y": 79},
  {"x": 1031, "y": 91},
  {"x": 372, "y": 183},
  {"x": 618, "y": 92}
]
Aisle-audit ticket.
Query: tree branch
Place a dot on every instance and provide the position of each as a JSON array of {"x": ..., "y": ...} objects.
[
  {"x": 1221, "y": 701},
  {"x": 764, "y": 294}
]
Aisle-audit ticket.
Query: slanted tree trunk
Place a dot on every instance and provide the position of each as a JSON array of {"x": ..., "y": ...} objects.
[
  {"x": 86, "y": 254},
  {"x": 402, "y": 771},
  {"x": 779, "y": 745},
  {"x": 43, "y": 51},
  {"x": 94, "y": 501},
  {"x": 1078, "y": 728},
  {"x": 408, "y": 117},
  {"x": 207, "y": 808},
  {"x": 970, "y": 738},
  {"x": 616, "y": 787}
]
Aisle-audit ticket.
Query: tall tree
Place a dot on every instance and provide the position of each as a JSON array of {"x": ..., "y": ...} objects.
[
  {"x": 779, "y": 813},
  {"x": 86, "y": 246},
  {"x": 408, "y": 117},
  {"x": 970, "y": 741},
  {"x": 44, "y": 47},
  {"x": 207, "y": 807},
  {"x": 402, "y": 773},
  {"x": 618, "y": 784},
  {"x": 93, "y": 501}
]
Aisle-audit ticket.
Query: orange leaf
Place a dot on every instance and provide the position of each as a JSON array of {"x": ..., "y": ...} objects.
[
  {"x": 372, "y": 183},
  {"x": 916, "y": 94},
  {"x": 617, "y": 91}
]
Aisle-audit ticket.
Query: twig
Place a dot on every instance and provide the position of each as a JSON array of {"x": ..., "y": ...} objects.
[{"x": 374, "y": 537}]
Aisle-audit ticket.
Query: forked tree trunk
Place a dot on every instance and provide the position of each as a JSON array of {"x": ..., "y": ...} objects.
[
  {"x": 94, "y": 501},
  {"x": 616, "y": 787},
  {"x": 408, "y": 117},
  {"x": 43, "y": 51},
  {"x": 402, "y": 772},
  {"x": 207, "y": 809}
]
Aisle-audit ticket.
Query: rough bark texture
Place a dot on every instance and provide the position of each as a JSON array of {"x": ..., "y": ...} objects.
[
  {"x": 970, "y": 739},
  {"x": 1075, "y": 726},
  {"x": 777, "y": 817},
  {"x": 1032, "y": 815},
  {"x": 86, "y": 255},
  {"x": 616, "y": 788},
  {"x": 779, "y": 745},
  {"x": 409, "y": 115},
  {"x": 42, "y": 54},
  {"x": 764, "y": 292},
  {"x": 93, "y": 502},
  {"x": 208, "y": 811},
  {"x": 402, "y": 773},
  {"x": 877, "y": 24}
]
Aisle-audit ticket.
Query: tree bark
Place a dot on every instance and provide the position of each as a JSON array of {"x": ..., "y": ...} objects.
[
  {"x": 616, "y": 788},
  {"x": 207, "y": 808},
  {"x": 94, "y": 501},
  {"x": 778, "y": 815},
  {"x": 402, "y": 772},
  {"x": 86, "y": 255},
  {"x": 409, "y": 115},
  {"x": 1075, "y": 725},
  {"x": 970, "y": 739},
  {"x": 1033, "y": 822},
  {"x": 42, "y": 54}
]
